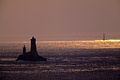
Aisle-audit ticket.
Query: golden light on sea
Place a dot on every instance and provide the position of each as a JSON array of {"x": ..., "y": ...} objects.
[
  {"x": 79, "y": 44},
  {"x": 84, "y": 44}
]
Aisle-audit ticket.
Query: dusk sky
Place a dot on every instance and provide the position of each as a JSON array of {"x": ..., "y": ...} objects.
[{"x": 59, "y": 19}]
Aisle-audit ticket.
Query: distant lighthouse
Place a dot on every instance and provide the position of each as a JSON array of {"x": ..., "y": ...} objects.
[
  {"x": 33, "y": 45},
  {"x": 104, "y": 36},
  {"x": 24, "y": 50},
  {"x": 32, "y": 55}
]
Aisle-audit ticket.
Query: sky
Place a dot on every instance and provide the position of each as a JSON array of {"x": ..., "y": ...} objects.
[{"x": 59, "y": 19}]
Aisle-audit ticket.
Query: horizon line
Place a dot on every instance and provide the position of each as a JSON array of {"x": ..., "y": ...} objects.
[{"x": 107, "y": 40}]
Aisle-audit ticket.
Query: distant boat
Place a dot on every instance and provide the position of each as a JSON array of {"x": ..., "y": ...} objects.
[{"x": 104, "y": 37}]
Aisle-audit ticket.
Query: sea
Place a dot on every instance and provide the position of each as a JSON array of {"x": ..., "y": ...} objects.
[{"x": 66, "y": 60}]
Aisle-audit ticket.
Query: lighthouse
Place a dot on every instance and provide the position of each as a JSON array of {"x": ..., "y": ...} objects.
[
  {"x": 103, "y": 36},
  {"x": 33, "y": 47},
  {"x": 32, "y": 55},
  {"x": 24, "y": 50}
]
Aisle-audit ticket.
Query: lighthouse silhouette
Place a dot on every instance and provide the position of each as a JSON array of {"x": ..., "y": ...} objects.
[
  {"x": 32, "y": 55},
  {"x": 33, "y": 47},
  {"x": 104, "y": 37}
]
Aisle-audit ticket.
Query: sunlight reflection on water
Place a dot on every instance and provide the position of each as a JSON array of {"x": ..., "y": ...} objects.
[{"x": 63, "y": 56}]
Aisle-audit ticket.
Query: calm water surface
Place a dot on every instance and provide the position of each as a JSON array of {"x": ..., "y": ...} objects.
[{"x": 63, "y": 57}]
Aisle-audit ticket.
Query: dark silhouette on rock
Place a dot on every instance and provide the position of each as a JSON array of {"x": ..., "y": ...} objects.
[{"x": 32, "y": 55}]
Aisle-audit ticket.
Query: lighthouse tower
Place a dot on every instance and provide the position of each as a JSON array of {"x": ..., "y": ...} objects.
[
  {"x": 104, "y": 37},
  {"x": 33, "y": 46},
  {"x": 24, "y": 50}
]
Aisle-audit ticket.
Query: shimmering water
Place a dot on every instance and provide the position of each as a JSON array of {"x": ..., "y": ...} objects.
[{"x": 63, "y": 57}]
